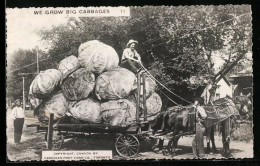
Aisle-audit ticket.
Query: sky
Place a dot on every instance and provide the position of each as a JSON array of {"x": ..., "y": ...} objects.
[{"x": 21, "y": 27}]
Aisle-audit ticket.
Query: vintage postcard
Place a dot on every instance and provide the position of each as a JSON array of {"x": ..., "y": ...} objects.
[{"x": 127, "y": 83}]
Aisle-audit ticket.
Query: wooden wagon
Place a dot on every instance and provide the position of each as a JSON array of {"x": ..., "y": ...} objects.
[{"x": 127, "y": 136}]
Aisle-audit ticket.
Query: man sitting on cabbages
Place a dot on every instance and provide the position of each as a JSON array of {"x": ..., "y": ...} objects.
[{"x": 131, "y": 60}]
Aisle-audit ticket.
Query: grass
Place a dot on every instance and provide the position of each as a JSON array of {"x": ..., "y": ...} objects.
[{"x": 244, "y": 132}]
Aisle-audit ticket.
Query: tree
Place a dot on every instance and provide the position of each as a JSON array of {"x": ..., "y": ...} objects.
[
  {"x": 177, "y": 44},
  {"x": 23, "y": 61}
]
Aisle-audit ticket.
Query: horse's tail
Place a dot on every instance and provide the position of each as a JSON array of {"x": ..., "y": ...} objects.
[
  {"x": 228, "y": 126},
  {"x": 233, "y": 123}
]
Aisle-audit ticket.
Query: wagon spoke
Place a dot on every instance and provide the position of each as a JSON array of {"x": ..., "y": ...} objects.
[
  {"x": 120, "y": 139},
  {"x": 121, "y": 148},
  {"x": 129, "y": 150},
  {"x": 121, "y": 143},
  {"x": 124, "y": 150},
  {"x": 132, "y": 150},
  {"x": 131, "y": 147},
  {"x": 133, "y": 142}
]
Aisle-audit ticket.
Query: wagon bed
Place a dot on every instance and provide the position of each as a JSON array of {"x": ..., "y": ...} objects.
[{"x": 126, "y": 143}]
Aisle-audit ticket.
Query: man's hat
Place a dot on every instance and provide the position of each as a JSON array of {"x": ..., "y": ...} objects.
[
  {"x": 130, "y": 42},
  {"x": 15, "y": 102}
]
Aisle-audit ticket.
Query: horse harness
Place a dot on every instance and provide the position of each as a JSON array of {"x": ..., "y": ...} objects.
[{"x": 210, "y": 114}]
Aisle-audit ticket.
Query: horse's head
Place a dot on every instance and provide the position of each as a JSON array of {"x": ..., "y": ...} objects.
[{"x": 226, "y": 106}]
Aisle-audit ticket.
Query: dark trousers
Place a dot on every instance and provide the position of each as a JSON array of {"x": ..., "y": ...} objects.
[
  {"x": 18, "y": 129},
  {"x": 130, "y": 65},
  {"x": 198, "y": 144}
]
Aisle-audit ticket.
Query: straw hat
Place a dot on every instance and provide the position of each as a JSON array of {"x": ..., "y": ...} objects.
[
  {"x": 15, "y": 102},
  {"x": 130, "y": 42}
]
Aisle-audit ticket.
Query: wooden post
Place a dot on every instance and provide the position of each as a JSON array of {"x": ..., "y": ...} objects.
[
  {"x": 138, "y": 97},
  {"x": 144, "y": 98},
  {"x": 23, "y": 94},
  {"x": 37, "y": 60},
  {"x": 23, "y": 75},
  {"x": 50, "y": 132}
]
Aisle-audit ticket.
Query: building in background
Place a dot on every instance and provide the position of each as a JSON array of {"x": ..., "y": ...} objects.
[
  {"x": 220, "y": 89},
  {"x": 223, "y": 89},
  {"x": 243, "y": 82}
]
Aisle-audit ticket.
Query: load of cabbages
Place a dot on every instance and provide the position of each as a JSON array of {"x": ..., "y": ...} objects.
[{"x": 92, "y": 88}]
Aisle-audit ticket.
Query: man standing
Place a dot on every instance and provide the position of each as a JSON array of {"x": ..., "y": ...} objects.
[
  {"x": 17, "y": 115},
  {"x": 130, "y": 57},
  {"x": 198, "y": 144}
]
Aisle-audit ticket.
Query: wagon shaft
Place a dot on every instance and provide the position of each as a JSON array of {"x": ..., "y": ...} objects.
[{"x": 95, "y": 128}]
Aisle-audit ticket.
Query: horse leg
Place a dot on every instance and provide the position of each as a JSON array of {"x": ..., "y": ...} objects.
[
  {"x": 208, "y": 145},
  {"x": 159, "y": 146},
  {"x": 168, "y": 149},
  {"x": 171, "y": 143},
  {"x": 228, "y": 152},
  {"x": 227, "y": 136},
  {"x": 214, "y": 149},
  {"x": 208, "y": 138},
  {"x": 225, "y": 139},
  {"x": 208, "y": 131},
  {"x": 174, "y": 145}
]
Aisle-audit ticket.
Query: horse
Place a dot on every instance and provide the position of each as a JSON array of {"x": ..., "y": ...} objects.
[
  {"x": 181, "y": 121},
  {"x": 244, "y": 106}
]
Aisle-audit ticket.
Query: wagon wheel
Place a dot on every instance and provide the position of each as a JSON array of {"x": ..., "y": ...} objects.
[{"x": 127, "y": 145}]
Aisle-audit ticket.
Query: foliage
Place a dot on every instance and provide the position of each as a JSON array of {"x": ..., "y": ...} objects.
[
  {"x": 244, "y": 132},
  {"x": 16, "y": 61},
  {"x": 176, "y": 43},
  {"x": 23, "y": 61}
]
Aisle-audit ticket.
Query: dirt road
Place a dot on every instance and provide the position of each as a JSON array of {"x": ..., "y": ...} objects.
[{"x": 33, "y": 144}]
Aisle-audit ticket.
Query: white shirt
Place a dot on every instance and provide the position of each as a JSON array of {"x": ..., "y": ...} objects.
[
  {"x": 17, "y": 112},
  {"x": 201, "y": 111},
  {"x": 131, "y": 54}
]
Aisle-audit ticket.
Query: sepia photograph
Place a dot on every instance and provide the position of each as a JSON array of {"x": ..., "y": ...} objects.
[{"x": 129, "y": 83}]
